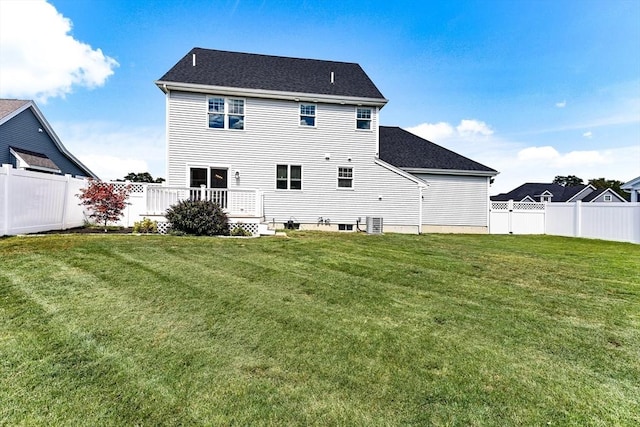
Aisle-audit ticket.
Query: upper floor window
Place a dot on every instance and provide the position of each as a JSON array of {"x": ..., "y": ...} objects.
[
  {"x": 345, "y": 177},
  {"x": 288, "y": 177},
  {"x": 363, "y": 118},
  {"x": 307, "y": 115},
  {"x": 608, "y": 198},
  {"x": 226, "y": 113}
]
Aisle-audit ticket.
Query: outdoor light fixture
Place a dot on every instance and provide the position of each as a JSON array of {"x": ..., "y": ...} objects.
[{"x": 237, "y": 174}]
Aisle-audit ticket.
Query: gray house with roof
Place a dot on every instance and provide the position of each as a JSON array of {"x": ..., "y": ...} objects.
[
  {"x": 27, "y": 141},
  {"x": 556, "y": 193},
  {"x": 307, "y": 134}
]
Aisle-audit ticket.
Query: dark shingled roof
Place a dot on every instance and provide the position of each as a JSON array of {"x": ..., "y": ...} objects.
[
  {"x": 407, "y": 151},
  {"x": 275, "y": 73},
  {"x": 534, "y": 190}
]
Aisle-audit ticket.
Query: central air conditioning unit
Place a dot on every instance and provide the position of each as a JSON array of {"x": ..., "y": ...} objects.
[{"x": 374, "y": 225}]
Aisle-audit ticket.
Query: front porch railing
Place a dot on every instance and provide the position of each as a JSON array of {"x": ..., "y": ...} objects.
[{"x": 236, "y": 202}]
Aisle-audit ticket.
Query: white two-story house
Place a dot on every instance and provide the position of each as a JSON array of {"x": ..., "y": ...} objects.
[{"x": 306, "y": 134}]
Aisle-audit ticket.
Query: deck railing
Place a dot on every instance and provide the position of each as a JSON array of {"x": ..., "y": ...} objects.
[{"x": 236, "y": 202}]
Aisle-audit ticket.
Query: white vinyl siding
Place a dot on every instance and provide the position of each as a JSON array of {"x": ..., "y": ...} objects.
[
  {"x": 452, "y": 200},
  {"x": 273, "y": 138}
]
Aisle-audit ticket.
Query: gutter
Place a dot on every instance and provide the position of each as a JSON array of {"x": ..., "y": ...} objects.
[
  {"x": 270, "y": 94},
  {"x": 450, "y": 172}
]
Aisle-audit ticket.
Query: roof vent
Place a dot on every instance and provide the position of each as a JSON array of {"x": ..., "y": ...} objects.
[
  {"x": 333, "y": 77},
  {"x": 194, "y": 59}
]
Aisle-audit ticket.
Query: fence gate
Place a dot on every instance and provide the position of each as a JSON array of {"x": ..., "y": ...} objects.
[{"x": 517, "y": 218}]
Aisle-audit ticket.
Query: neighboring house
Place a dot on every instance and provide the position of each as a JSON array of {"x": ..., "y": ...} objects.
[
  {"x": 556, "y": 193},
  {"x": 27, "y": 141},
  {"x": 632, "y": 187},
  {"x": 307, "y": 134}
]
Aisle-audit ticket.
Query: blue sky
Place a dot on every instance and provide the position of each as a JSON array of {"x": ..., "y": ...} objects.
[{"x": 533, "y": 89}]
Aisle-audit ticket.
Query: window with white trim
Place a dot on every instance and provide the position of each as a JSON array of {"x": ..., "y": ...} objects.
[
  {"x": 345, "y": 177},
  {"x": 289, "y": 177},
  {"x": 363, "y": 118},
  {"x": 608, "y": 198},
  {"x": 225, "y": 113},
  {"x": 308, "y": 115}
]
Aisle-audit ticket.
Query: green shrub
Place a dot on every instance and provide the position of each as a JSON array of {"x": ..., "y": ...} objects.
[
  {"x": 239, "y": 231},
  {"x": 199, "y": 217},
  {"x": 145, "y": 226}
]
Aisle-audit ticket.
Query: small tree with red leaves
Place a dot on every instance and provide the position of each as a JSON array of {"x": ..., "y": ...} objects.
[{"x": 105, "y": 201}]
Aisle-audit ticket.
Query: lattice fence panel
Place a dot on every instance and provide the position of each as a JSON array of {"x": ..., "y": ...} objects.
[
  {"x": 528, "y": 206},
  {"x": 250, "y": 227}
]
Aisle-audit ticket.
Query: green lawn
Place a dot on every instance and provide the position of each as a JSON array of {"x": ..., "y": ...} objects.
[{"x": 319, "y": 329}]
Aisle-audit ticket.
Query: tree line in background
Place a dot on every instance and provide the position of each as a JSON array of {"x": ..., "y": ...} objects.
[
  {"x": 572, "y": 181},
  {"x": 141, "y": 177}
]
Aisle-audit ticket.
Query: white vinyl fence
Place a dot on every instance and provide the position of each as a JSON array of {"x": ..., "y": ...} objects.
[
  {"x": 607, "y": 221},
  {"x": 31, "y": 202}
]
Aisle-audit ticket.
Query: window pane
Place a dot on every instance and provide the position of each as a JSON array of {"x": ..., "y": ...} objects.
[
  {"x": 281, "y": 177},
  {"x": 307, "y": 121},
  {"x": 345, "y": 183},
  {"x": 296, "y": 178},
  {"x": 296, "y": 172},
  {"x": 198, "y": 177},
  {"x": 216, "y": 121},
  {"x": 282, "y": 171},
  {"x": 216, "y": 105},
  {"x": 236, "y": 122},
  {"x": 363, "y": 124},
  {"x": 307, "y": 110},
  {"x": 345, "y": 172},
  {"x": 364, "y": 113},
  {"x": 236, "y": 106}
]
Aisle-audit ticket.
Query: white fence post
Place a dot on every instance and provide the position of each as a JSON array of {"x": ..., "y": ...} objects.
[
  {"x": 5, "y": 200},
  {"x": 66, "y": 199},
  {"x": 578, "y": 216},
  {"x": 510, "y": 215}
]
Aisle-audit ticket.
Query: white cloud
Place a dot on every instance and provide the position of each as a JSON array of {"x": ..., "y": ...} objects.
[
  {"x": 473, "y": 128},
  {"x": 111, "y": 151},
  {"x": 440, "y": 131},
  {"x": 542, "y": 164},
  {"x": 433, "y": 131},
  {"x": 588, "y": 134},
  {"x": 538, "y": 153},
  {"x": 520, "y": 162},
  {"x": 561, "y": 104},
  {"x": 40, "y": 59},
  {"x": 553, "y": 158}
]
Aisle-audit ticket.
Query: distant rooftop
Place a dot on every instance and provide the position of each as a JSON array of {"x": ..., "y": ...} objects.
[{"x": 8, "y": 106}]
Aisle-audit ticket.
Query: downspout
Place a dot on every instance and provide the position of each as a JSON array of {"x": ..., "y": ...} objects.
[
  {"x": 420, "y": 189},
  {"x": 377, "y": 132}
]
